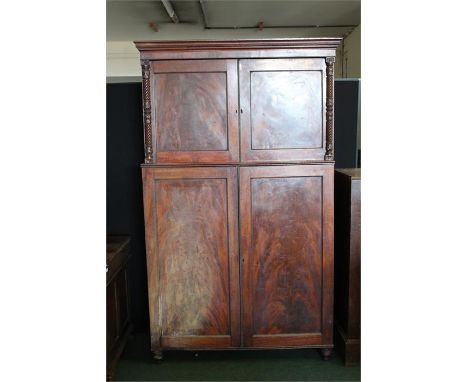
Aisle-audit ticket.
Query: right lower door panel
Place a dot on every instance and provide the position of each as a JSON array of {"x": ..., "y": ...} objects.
[{"x": 287, "y": 255}]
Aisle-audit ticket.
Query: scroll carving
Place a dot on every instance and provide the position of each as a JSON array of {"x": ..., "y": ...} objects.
[
  {"x": 145, "y": 67},
  {"x": 329, "y": 153}
]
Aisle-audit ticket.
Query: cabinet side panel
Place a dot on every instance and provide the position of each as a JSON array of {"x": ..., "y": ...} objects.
[
  {"x": 192, "y": 242},
  {"x": 151, "y": 257},
  {"x": 354, "y": 320},
  {"x": 341, "y": 245}
]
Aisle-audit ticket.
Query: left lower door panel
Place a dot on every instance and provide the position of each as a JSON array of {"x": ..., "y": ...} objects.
[{"x": 191, "y": 228}]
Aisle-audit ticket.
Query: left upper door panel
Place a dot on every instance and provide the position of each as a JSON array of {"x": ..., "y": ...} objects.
[{"x": 194, "y": 107}]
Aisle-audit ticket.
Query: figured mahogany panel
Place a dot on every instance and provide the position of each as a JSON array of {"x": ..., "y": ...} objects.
[
  {"x": 194, "y": 106},
  {"x": 192, "y": 256},
  {"x": 287, "y": 255},
  {"x": 193, "y": 249},
  {"x": 286, "y": 109},
  {"x": 282, "y": 109},
  {"x": 192, "y": 112}
]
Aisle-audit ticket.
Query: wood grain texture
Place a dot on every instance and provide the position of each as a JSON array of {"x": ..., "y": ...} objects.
[
  {"x": 213, "y": 341},
  {"x": 258, "y": 108},
  {"x": 286, "y": 340},
  {"x": 348, "y": 264},
  {"x": 286, "y": 110},
  {"x": 219, "y": 45},
  {"x": 221, "y": 49},
  {"x": 192, "y": 112},
  {"x": 195, "y": 111},
  {"x": 117, "y": 255},
  {"x": 192, "y": 255},
  {"x": 286, "y": 215},
  {"x": 118, "y": 325},
  {"x": 283, "y": 114},
  {"x": 286, "y": 257},
  {"x": 354, "y": 322}
]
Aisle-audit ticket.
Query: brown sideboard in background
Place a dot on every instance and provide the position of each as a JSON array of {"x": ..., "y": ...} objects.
[
  {"x": 348, "y": 264},
  {"x": 118, "y": 323}
]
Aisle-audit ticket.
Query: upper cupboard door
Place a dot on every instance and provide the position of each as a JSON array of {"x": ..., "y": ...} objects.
[
  {"x": 194, "y": 107},
  {"x": 282, "y": 109}
]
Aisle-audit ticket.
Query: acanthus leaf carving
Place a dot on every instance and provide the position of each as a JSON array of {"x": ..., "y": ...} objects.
[
  {"x": 329, "y": 152},
  {"x": 145, "y": 67}
]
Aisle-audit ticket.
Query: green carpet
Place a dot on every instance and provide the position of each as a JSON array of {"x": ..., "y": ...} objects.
[{"x": 136, "y": 364}]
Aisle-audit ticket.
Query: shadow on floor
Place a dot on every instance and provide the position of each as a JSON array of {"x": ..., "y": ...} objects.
[{"x": 137, "y": 364}]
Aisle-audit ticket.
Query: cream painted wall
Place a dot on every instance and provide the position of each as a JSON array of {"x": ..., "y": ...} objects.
[
  {"x": 122, "y": 61},
  {"x": 351, "y": 67},
  {"x": 352, "y": 55}
]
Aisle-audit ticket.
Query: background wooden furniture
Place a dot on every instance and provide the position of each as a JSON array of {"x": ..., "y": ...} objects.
[
  {"x": 118, "y": 313},
  {"x": 348, "y": 264},
  {"x": 238, "y": 185}
]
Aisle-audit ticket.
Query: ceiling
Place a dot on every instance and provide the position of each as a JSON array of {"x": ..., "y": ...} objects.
[
  {"x": 129, "y": 19},
  {"x": 282, "y": 13}
]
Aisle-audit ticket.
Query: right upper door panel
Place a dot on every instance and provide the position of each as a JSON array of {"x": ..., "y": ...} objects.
[{"x": 282, "y": 105}]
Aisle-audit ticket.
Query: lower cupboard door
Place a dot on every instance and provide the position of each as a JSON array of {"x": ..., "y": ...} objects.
[
  {"x": 192, "y": 256},
  {"x": 286, "y": 221}
]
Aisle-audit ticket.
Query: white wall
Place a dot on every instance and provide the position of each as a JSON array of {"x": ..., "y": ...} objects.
[
  {"x": 351, "y": 60},
  {"x": 122, "y": 62},
  {"x": 350, "y": 54}
]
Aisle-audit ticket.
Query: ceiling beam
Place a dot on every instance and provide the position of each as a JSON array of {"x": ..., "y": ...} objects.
[
  {"x": 203, "y": 11},
  {"x": 263, "y": 26},
  {"x": 170, "y": 11}
]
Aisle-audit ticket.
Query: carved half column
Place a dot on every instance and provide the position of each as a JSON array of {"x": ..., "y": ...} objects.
[
  {"x": 145, "y": 67},
  {"x": 329, "y": 153}
]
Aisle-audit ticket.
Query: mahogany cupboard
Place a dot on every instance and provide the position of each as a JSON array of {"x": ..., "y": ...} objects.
[{"x": 238, "y": 193}]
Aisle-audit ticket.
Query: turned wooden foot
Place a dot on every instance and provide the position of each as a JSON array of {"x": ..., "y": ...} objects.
[
  {"x": 158, "y": 355},
  {"x": 326, "y": 353}
]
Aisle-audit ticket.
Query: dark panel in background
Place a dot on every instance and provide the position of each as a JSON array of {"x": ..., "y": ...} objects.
[
  {"x": 124, "y": 186},
  {"x": 346, "y": 120}
]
